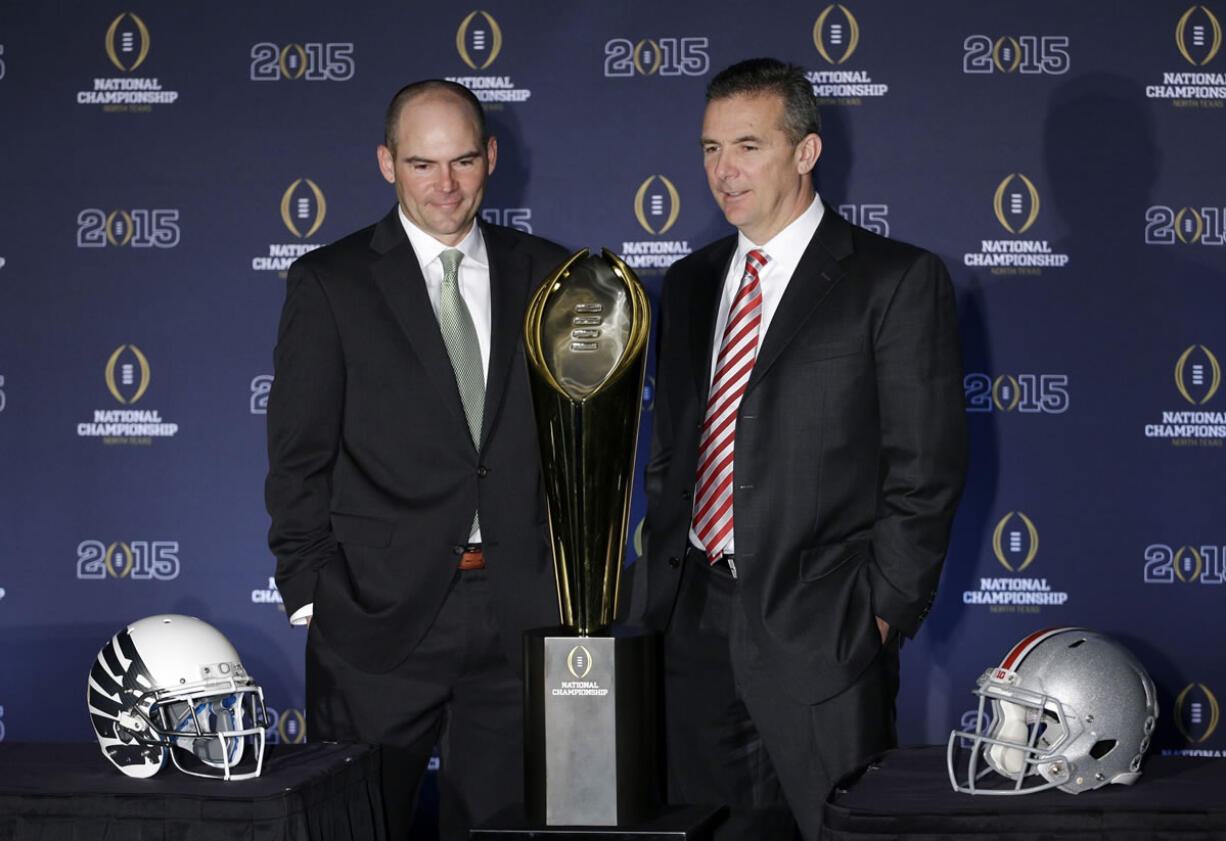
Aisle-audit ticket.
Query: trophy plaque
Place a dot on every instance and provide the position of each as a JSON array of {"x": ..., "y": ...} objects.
[{"x": 591, "y": 700}]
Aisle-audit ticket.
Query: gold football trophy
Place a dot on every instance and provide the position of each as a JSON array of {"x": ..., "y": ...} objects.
[
  {"x": 586, "y": 338},
  {"x": 591, "y": 699}
]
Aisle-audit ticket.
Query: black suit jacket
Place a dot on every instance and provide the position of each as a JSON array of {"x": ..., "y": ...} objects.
[
  {"x": 373, "y": 476},
  {"x": 850, "y": 450}
]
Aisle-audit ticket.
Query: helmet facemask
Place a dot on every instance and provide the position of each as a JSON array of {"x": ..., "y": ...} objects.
[
  {"x": 209, "y": 730},
  {"x": 1021, "y": 738}
]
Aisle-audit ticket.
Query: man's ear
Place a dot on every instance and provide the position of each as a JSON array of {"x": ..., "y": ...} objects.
[
  {"x": 491, "y": 153},
  {"x": 807, "y": 152},
  {"x": 387, "y": 164}
]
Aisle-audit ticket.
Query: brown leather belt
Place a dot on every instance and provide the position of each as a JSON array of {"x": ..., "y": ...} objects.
[{"x": 473, "y": 557}]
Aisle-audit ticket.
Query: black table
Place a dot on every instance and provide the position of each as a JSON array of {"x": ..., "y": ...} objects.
[
  {"x": 71, "y": 792},
  {"x": 906, "y": 795}
]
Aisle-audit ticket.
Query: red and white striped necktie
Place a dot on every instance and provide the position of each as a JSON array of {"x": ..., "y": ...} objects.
[{"x": 737, "y": 351}]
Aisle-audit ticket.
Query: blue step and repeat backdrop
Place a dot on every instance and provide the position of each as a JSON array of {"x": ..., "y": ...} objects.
[{"x": 164, "y": 163}]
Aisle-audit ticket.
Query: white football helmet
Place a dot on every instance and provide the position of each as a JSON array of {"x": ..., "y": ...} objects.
[
  {"x": 1069, "y": 707},
  {"x": 174, "y": 684}
]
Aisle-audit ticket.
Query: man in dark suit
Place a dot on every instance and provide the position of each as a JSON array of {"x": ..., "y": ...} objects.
[
  {"x": 408, "y": 520},
  {"x": 808, "y": 454}
]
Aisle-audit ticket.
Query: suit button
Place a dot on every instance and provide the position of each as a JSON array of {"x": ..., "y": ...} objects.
[
  {"x": 674, "y": 562},
  {"x": 459, "y": 550},
  {"x": 685, "y": 495},
  {"x": 483, "y": 471}
]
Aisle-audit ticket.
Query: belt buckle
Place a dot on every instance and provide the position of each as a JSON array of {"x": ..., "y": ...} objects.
[{"x": 473, "y": 557}]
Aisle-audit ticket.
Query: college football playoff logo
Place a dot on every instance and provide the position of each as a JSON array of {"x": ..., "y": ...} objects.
[
  {"x": 1196, "y": 713},
  {"x": 127, "y": 378},
  {"x": 579, "y": 662},
  {"x": 127, "y": 42},
  {"x": 659, "y": 203},
  {"x": 1014, "y": 551},
  {"x": 485, "y": 42},
  {"x": 1197, "y": 374},
  {"x": 836, "y": 34},
  {"x": 1198, "y": 35},
  {"x": 1016, "y": 210},
  {"x": 305, "y": 207}
]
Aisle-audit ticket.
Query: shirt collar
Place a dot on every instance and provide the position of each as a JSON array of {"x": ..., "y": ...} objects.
[
  {"x": 787, "y": 246},
  {"x": 427, "y": 248}
]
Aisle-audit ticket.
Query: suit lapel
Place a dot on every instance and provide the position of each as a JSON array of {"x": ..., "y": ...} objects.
[
  {"x": 703, "y": 298},
  {"x": 510, "y": 281},
  {"x": 816, "y": 274},
  {"x": 398, "y": 275}
]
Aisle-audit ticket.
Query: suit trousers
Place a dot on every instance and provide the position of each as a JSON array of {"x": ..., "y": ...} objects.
[
  {"x": 736, "y": 737},
  {"x": 455, "y": 691}
]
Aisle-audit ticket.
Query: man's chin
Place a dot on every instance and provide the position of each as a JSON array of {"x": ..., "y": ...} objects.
[
  {"x": 450, "y": 228},
  {"x": 734, "y": 218},
  {"x": 736, "y": 212}
]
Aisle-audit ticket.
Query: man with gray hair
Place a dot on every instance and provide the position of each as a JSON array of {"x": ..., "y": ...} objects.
[{"x": 808, "y": 454}]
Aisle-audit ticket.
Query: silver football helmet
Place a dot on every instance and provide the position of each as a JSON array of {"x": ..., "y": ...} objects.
[
  {"x": 1068, "y": 708},
  {"x": 174, "y": 685}
]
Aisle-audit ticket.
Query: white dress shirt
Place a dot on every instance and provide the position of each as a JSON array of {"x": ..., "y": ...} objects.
[
  {"x": 474, "y": 277},
  {"x": 784, "y": 251}
]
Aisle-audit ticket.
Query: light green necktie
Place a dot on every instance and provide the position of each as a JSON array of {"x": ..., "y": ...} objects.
[{"x": 460, "y": 336}]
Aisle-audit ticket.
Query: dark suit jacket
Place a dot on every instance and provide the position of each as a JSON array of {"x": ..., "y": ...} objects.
[
  {"x": 850, "y": 450},
  {"x": 373, "y": 476}
]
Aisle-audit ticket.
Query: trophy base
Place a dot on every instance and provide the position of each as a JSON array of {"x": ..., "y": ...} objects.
[{"x": 592, "y": 731}]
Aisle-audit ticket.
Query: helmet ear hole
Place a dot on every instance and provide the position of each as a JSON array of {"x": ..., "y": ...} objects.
[{"x": 1102, "y": 747}]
